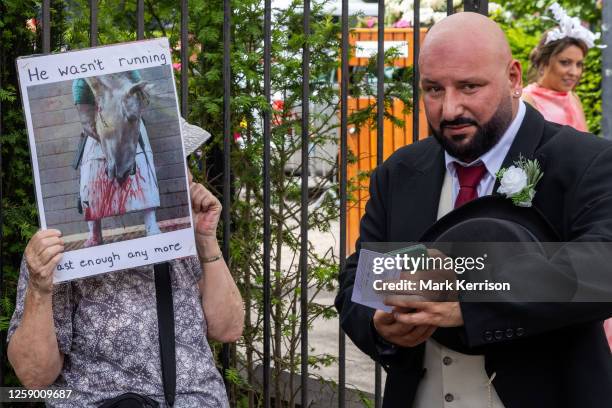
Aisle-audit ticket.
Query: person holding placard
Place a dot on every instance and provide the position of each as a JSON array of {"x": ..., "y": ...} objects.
[{"x": 98, "y": 337}]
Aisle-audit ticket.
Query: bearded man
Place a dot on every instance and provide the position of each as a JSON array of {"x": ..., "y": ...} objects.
[{"x": 515, "y": 355}]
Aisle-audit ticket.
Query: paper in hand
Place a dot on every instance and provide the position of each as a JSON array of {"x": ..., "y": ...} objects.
[{"x": 363, "y": 290}]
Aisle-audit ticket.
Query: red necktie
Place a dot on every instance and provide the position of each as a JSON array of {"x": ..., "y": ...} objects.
[{"x": 469, "y": 178}]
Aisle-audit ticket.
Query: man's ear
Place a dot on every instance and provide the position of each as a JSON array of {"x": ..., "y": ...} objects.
[{"x": 515, "y": 75}]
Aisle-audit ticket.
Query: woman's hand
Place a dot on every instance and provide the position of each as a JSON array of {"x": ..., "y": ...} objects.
[
  {"x": 206, "y": 209},
  {"x": 33, "y": 350},
  {"x": 42, "y": 254}
]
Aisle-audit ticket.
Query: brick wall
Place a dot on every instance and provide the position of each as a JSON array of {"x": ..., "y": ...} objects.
[{"x": 57, "y": 132}]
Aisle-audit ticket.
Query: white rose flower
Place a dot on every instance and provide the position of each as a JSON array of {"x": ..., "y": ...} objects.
[
  {"x": 518, "y": 182},
  {"x": 426, "y": 15},
  {"x": 513, "y": 181},
  {"x": 493, "y": 7}
]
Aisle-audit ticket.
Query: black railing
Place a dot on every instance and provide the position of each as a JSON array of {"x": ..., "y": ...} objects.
[
  {"x": 2, "y": 333},
  {"x": 470, "y": 5}
]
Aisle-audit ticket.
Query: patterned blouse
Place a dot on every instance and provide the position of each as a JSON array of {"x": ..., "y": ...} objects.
[{"x": 106, "y": 328}]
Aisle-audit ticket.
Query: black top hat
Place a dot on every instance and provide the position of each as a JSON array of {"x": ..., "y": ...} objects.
[
  {"x": 486, "y": 225},
  {"x": 492, "y": 219}
]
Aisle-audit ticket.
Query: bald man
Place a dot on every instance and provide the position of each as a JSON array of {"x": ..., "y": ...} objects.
[{"x": 472, "y": 355}]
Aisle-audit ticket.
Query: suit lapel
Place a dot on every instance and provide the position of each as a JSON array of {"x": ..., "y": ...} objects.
[
  {"x": 526, "y": 141},
  {"x": 419, "y": 195}
]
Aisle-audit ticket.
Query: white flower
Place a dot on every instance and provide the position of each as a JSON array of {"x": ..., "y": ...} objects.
[
  {"x": 513, "y": 181},
  {"x": 426, "y": 15},
  {"x": 493, "y": 7},
  {"x": 518, "y": 182},
  {"x": 395, "y": 7},
  {"x": 408, "y": 6},
  {"x": 437, "y": 4}
]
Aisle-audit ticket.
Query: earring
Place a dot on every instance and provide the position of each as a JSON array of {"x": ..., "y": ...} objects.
[{"x": 517, "y": 93}]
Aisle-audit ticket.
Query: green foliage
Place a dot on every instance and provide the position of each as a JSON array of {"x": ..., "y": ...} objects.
[
  {"x": 524, "y": 23},
  {"x": 19, "y": 216},
  {"x": 248, "y": 108},
  {"x": 590, "y": 92}
]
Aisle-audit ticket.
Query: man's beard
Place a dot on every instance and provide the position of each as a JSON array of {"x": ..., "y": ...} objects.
[{"x": 486, "y": 136}]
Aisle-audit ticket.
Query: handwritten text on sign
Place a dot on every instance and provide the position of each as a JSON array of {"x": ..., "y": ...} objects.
[
  {"x": 93, "y": 62},
  {"x": 124, "y": 255}
]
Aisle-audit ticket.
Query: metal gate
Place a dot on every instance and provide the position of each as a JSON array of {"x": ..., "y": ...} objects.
[{"x": 480, "y": 6}]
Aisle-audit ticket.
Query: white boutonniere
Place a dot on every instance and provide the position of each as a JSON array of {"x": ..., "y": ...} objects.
[{"x": 518, "y": 182}]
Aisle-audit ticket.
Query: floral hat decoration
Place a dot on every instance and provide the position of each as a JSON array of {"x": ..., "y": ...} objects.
[{"x": 570, "y": 27}]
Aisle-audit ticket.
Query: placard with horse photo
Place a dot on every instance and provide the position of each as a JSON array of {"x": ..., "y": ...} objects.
[{"x": 107, "y": 155}]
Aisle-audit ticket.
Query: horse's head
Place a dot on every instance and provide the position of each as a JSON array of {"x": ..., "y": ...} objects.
[{"x": 120, "y": 103}]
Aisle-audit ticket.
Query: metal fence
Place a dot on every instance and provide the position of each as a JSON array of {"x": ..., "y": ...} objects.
[{"x": 480, "y": 6}]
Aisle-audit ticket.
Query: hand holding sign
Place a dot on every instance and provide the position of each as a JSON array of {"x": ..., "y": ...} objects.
[
  {"x": 42, "y": 254},
  {"x": 206, "y": 209},
  {"x": 206, "y": 212}
]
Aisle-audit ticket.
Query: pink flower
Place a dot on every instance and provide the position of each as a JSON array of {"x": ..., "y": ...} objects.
[
  {"x": 370, "y": 22},
  {"x": 177, "y": 66},
  {"x": 278, "y": 104},
  {"x": 401, "y": 24},
  {"x": 31, "y": 24}
]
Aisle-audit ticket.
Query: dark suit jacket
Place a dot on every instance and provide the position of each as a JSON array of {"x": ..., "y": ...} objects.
[{"x": 544, "y": 355}]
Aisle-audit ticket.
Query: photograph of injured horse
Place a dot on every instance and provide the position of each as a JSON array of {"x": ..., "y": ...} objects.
[{"x": 110, "y": 156}]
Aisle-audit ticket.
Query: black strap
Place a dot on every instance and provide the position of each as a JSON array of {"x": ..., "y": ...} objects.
[{"x": 165, "y": 317}]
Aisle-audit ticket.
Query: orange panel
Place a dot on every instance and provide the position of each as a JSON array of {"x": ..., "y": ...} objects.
[{"x": 363, "y": 143}]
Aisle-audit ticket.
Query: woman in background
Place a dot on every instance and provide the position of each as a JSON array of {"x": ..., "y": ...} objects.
[{"x": 556, "y": 65}]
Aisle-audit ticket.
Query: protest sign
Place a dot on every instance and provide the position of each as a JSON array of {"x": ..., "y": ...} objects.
[{"x": 107, "y": 155}]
